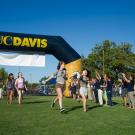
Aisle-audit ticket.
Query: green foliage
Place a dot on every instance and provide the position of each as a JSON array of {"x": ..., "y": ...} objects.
[
  {"x": 42, "y": 79},
  {"x": 117, "y": 58},
  {"x": 3, "y": 74}
]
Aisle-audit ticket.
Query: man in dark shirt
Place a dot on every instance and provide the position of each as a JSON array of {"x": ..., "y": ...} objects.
[
  {"x": 109, "y": 86},
  {"x": 99, "y": 88},
  {"x": 96, "y": 86}
]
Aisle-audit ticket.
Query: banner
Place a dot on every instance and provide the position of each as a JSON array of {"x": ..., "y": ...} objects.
[
  {"x": 15, "y": 59},
  {"x": 38, "y": 44}
]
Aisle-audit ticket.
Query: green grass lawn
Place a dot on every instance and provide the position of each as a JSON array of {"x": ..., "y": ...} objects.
[{"x": 35, "y": 117}]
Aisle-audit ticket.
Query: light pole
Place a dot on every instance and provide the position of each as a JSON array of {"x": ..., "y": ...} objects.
[
  {"x": 103, "y": 59},
  {"x": 31, "y": 80}
]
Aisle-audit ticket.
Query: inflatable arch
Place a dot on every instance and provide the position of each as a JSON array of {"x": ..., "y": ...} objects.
[{"x": 42, "y": 44}]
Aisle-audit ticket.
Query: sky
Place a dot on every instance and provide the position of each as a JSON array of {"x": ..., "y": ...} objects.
[{"x": 82, "y": 23}]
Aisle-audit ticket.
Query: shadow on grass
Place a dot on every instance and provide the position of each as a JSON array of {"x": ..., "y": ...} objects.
[
  {"x": 115, "y": 103},
  {"x": 93, "y": 107},
  {"x": 36, "y": 102},
  {"x": 69, "y": 109}
]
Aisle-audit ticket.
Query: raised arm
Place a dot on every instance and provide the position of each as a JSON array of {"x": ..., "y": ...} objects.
[
  {"x": 50, "y": 77},
  {"x": 98, "y": 76},
  {"x": 125, "y": 78}
]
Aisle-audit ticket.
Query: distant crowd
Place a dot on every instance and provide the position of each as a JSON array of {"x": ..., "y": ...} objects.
[
  {"x": 82, "y": 88},
  {"x": 101, "y": 89},
  {"x": 98, "y": 89},
  {"x": 14, "y": 87}
]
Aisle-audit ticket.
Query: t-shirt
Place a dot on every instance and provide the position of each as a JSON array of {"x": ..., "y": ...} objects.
[
  {"x": 83, "y": 81},
  {"x": 10, "y": 84},
  {"x": 60, "y": 76},
  {"x": 124, "y": 86},
  {"x": 20, "y": 83},
  {"x": 97, "y": 84},
  {"x": 73, "y": 87},
  {"x": 130, "y": 86},
  {"x": 109, "y": 86}
]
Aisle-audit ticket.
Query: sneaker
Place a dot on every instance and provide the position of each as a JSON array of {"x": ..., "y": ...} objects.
[
  {"x": 84, "y": 110},
  {"x": 53, "y": 104},
  {"x": 62, "y": 110}
]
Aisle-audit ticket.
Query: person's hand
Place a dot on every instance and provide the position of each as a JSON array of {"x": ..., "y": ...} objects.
[
  {"x": 26, "y": 89},
  {"x": 96, "y": 72},
  {"x": 44, "y": 82},
  {"x": 120, "y": 80},
  {"x": 123, "y": 75},
  {"x": 17, "y": 90}
]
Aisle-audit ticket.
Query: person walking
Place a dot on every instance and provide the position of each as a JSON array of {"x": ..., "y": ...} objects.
[
  {"x": 10, "y": 88},
  {"x": 20, "y": 86},
  {"x": 124, "y": 93},
  {"x": 83, "y": 88},
  {"x": 60, "y": 75}
]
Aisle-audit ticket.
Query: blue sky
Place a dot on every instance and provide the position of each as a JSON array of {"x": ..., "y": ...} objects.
[{"x": 82, "y": 23}]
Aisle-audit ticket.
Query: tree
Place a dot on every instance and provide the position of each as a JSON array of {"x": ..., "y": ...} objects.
[
  {"x": 110, "y": 58},
  {"x": 3, "y": 74}
]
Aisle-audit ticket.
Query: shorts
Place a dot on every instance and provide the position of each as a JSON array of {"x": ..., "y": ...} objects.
[
  {"x": 73, "y": 91},
  {"x": 62, "y": 86},
  {"x": 20, "y": 88},
  {"x": 124, "y": 92},
  {"x": 83, "y": 91},
  {"x": 10, "y": 89}
]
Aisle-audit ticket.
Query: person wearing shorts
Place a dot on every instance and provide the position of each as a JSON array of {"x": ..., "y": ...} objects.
[
  {"x": 130, "y": 90},
  {"x": 60, "y": 75},
  {"x": 20, "y": 86},
  {"x": 124, "y": 92},
  {"x": 83, "y": 88},
  {"x": 10, "y": 88}
]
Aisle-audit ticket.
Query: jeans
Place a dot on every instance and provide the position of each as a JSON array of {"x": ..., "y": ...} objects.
[
  {"x": 109, "y": 96},
  {"x": 96, "y": 95}
]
